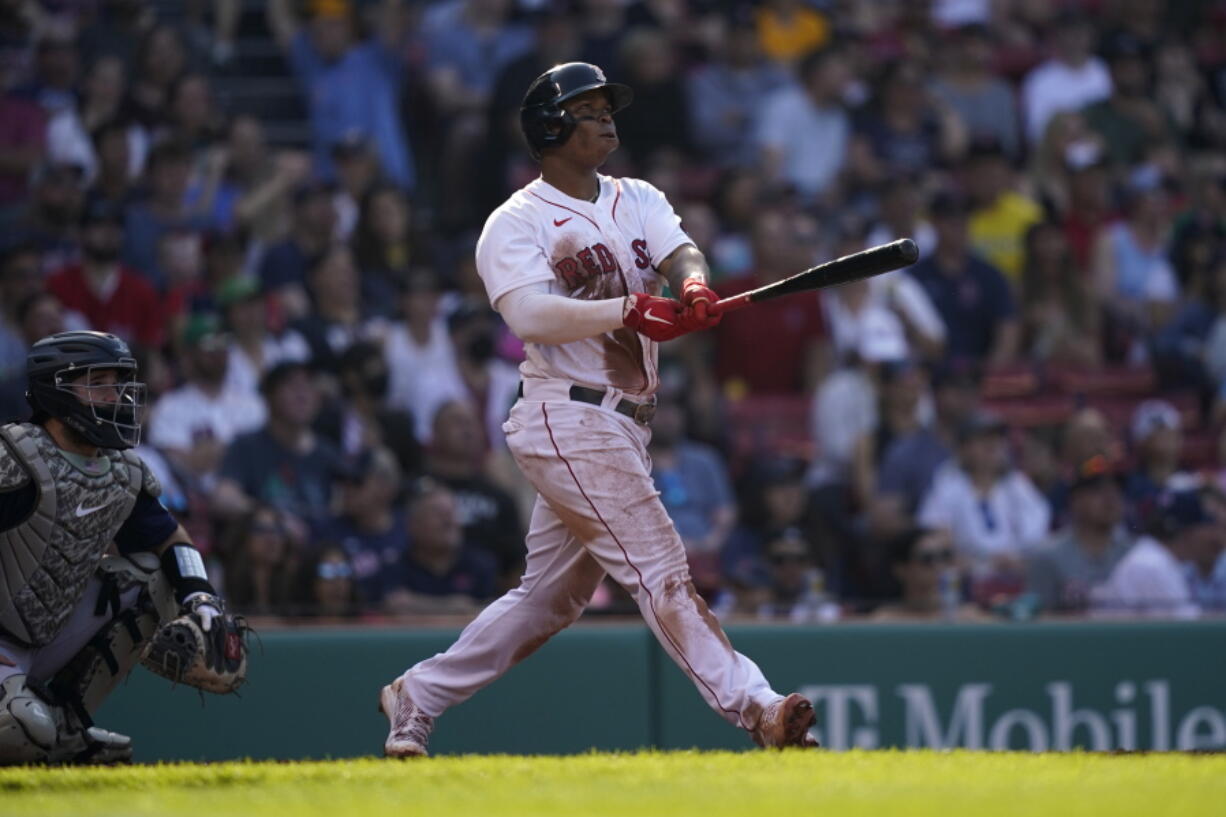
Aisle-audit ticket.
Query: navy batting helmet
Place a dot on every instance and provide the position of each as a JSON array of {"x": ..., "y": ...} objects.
[
  {"x": 544, "y": 122},
  {"x": 107, "y": 416}
]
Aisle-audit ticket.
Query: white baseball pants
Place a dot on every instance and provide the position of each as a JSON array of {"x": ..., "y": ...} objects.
[{"x": 597, "y": 512}]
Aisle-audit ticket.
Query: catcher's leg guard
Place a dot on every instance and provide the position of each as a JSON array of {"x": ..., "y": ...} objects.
[
  {"x": 35, "y": 731},
  {"x": 90, "y": 675}
]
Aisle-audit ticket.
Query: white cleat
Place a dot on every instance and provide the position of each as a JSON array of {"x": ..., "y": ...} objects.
[{"x": 409, "y": 734}]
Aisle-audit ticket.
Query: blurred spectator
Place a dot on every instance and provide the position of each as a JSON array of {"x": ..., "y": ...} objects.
[
  {"x": 361, "y": 419},
  {"x": 52, "y": 85},
  {"x": 23, "y": 133},
  {"x": 783, "y": 244},
  {"x": 796, "y": 590},
  {"x": 971, "y": 295},
  {"x": 116, "y": 169},
  {"x": 332, "y": 592},
  {"x": 255, "y": 193},
  {"x": 487, "y": 514},
  {"x": 1070, "y": 79},
  {"x": 1129, "y": 121},
  {"x": 115, "y": 29},
  {"x": 1062, "y": 572},
  {"x": 161, "y": 60},
  {"x": 371, "y": 527},
  {"x": 789, "y": 30},
  {"x": 164, "y": 209},
  {"x": 1088, "y": 206},
  {"x": 283, "y": 464},
  {"x": 111, "y": 296},
  {"x": 1150, "y": 582},
  {"x": 774, "y": 501},
  {"x": 905, "y": 130},
  {"x": 195, "y": 423},
  {"x": 349, "y": 85},
  {"x": 723, "y": 95},
  {"x": 986, "y": 104},
  {"x": 382, "y": 248},
  {"x": 900, "y": 215},
  {"x": 358, "y": 183},
  {"x": 283, "y": 270},
  {"x": 335, "y": 322},
  {"x": 258, "y": 564},
  {"x": 803, "y": 132},
  {"x": 1000, "y": 214},
  {"x": 693, "y": 483},
  {"x": 19, "y": 279},
  {"x": 1060, "y": 311},
  {"x": 194, "y": 120},
  {"x": 49, "y": 220},
  {"x": 1157, "y": 439},
  {"x": 419, "y": 353},
  {"x": 901, "y": 388},
  {"x": 441, "y": 575},
  {"x": 926, "y": 565},
  {"x": 1132, "y": 273},
  {"x": 993, "y": 511},
  {"x": 657, "y": 121},
  {"x": 490, "y": 384},
  {"x": 254, "y": 347},
  {"x": 74, "y": 134}
]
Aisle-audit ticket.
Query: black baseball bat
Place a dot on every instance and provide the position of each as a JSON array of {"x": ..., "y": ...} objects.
[{"x": 864, "y": 264}]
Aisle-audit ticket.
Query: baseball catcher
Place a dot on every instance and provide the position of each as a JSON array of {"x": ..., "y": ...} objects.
[{"x": 95, "y": 574}]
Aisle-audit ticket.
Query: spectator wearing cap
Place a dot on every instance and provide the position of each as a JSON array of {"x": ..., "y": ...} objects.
[
  {"x": 972, "y": 297},
  {"x": 1070, "y": 79},
  {"x": 1062, "y": 572},
  {"x": 1132, "y": 272},
  {"x": 803, "y": 131},
  {"x": 930, "y": 578},
  {"x": 163, "y": 210},
  {"x": 985, "y": 103},
  {"x": 1151, "y": 581},
  {"x": 795, "y": 590},
  {"x": 284, "y": 463},
  {"x": 194, "y": 423},
  {"x": 109, "y": 295},
  {"x": 350, "y": 85},
  {"x": 994, "y": 512},
  {"x": 335, "y": 321},
  {"x": 693, "y": 482},
  {"x": 254, "y": 346},
  {"x": 1001, "y": 214},
  {"x": 357, "y": 175},
  {"x": 487, "y": 514},
  {"x": 723, "y": 95},
  {"x": 441, "y": 574},
  {"x": 1157, "y": 438},
  {"x": 1129, "y": 121},
  {"x": 283, "y": 269},
  {"x": 371, "y": 527}
]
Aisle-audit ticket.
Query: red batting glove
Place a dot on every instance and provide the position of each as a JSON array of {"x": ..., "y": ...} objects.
[
  {"x": 658, "y": 318},
  {"x": 696, "y": 297}
]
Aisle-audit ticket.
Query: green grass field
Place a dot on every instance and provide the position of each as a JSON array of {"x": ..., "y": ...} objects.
[{"x": 880, "y": 784}]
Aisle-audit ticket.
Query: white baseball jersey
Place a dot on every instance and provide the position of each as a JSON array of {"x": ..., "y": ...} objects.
[{"x": 592, "y": 250}]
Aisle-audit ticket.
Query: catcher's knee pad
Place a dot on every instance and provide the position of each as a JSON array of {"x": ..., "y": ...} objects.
[
  {"x": 28, "y": 731},
  {"x": 94, "y": 672}
]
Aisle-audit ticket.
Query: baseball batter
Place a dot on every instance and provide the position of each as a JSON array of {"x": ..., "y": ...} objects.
[{"x": 574, "y": 263}]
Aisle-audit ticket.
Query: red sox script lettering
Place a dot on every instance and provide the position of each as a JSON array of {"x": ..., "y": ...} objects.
[
  {"x": 641, "y": 259},
  {"x": 585, "y": 265}
]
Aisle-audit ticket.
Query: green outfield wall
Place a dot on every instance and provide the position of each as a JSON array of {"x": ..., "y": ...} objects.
[{"x": 312, "y": 692}]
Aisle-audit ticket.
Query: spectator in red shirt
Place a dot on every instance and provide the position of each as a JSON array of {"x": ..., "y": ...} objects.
[
  {"x": 111, "y": 297},
  {"x": 791, "y": 328}
]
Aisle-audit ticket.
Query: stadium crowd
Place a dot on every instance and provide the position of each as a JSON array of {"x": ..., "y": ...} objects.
[{"x": 1031, "y": 420}]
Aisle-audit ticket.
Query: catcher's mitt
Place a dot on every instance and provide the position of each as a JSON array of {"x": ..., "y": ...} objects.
[{"x": 215, "y": 661}]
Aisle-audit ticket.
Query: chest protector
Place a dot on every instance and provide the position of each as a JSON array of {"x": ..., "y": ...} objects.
[{"x": 46, "y": 560}]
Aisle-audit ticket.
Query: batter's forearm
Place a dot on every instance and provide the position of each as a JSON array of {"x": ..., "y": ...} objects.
[
  {"x": 537, "y": 316},
  {"x": 685, "y": 262}
]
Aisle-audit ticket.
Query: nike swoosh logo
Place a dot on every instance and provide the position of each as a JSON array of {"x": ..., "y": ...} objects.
[
  {"x": 557, "y": 223},
  {"x": 647, "y": 316},
  {"x": 83, "y": 511}
]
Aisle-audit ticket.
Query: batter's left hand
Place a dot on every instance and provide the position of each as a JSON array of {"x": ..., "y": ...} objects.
[{"x": 696, "y": 296}]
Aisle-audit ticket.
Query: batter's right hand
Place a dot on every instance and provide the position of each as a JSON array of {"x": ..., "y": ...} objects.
[{"x": 658, "y": 318}]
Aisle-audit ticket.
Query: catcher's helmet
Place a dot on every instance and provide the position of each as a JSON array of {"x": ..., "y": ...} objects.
[
  {"x": 107, "y": 416},
  {"x": 541, "y": 117}
]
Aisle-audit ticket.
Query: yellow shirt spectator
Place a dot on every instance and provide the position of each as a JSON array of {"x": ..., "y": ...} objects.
[
  {"x": 998, "y": 232},
  {"x": 789, "y": 30}
]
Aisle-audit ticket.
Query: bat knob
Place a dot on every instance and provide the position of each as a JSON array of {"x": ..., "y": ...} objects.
[{"x": 907, "y": 250}]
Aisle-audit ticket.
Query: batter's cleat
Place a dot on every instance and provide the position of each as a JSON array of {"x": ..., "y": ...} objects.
[
  {"x": 786, "y": 722},
  {"x": 409, "y": 734}
]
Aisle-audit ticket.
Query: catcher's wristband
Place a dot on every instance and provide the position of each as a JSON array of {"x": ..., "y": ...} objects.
[{"x": 185, "y": 569}]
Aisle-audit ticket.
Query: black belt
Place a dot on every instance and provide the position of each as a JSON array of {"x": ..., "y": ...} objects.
[{"x": 640, "y": 413}]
